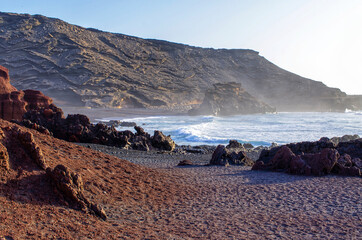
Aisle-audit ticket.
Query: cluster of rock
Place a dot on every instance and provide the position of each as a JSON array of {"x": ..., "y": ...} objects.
[
  {"x": 229, "y": 99},
  {"x": 21, "y": 145},
  {"x": 34, "y": 110},
  {"x": 78, "y": 128},
  {"x": 15, "y": 103},
  {"x": 322, "y": 157},
  {"x": 233, "y": 153},
  {"x": 117, "y": 123}
]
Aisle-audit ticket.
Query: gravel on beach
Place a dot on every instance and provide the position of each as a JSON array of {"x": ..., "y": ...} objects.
[{"x": 236, "y": 203}]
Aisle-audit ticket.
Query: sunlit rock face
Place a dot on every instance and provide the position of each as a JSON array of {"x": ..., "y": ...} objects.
[
  {"x": 79, "y": 66},
  {"x": 14, "y": 103}
]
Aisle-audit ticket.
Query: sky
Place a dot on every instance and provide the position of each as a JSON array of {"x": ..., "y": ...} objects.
[{"x": 317, "y": 39}]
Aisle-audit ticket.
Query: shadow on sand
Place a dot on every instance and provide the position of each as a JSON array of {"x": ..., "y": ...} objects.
[{"x": 265, "y": 177}]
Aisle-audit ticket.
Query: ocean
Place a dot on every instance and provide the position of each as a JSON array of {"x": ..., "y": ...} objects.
[{"x": 257, "y": 129}]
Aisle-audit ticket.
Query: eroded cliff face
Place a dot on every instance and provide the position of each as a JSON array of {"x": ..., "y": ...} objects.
[
  {"x": 79, "y": 66},
  {"x": 14, "y": 103}
]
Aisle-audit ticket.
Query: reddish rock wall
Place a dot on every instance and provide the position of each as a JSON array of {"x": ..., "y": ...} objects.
[{"x": 14, "y": 103}]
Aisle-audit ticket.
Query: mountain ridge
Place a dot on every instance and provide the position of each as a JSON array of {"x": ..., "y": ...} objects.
[{"x": 91, "y": 67}]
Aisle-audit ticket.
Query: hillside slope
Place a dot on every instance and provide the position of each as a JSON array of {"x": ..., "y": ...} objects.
[{"x": 79, "y": 66}]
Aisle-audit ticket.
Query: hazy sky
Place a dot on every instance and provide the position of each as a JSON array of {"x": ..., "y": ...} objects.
[{"x": 318, "y": 39}]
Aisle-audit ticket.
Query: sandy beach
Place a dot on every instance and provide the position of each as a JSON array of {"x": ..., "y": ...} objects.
[
  {"x": 236, "y": 203},
  {"x": 146, "y": 196}
]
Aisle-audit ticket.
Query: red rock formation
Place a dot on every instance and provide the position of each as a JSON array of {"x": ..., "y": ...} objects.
[
  {"x": 5, "y": 86},
  {"x": 36, "y": 99},
  {"x": 14, "y": 103}
]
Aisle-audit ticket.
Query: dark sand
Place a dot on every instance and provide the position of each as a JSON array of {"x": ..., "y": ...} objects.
[
  {"x": 155, "y": 199},
  {"x": 236, "y": 203}
]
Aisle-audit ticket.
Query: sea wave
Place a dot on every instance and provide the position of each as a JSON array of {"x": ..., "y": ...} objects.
[{"x": 256, "y": 129}]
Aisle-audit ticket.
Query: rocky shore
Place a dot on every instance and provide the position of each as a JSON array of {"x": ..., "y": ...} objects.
[{"x": 99, "y": 183}]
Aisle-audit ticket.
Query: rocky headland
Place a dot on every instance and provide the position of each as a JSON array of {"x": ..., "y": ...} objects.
[
  {"x": 229, "y": 99},
  {"x": 88, "y": 67}
]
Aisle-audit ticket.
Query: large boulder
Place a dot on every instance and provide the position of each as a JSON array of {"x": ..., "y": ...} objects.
[
  {"x": 159, "y": 140},
  {"x": 320, "y": 163},
  {"x": 229, "y": 99},
  {"x": 282, "y": 159},
  {"x": 230, "y": 154}
]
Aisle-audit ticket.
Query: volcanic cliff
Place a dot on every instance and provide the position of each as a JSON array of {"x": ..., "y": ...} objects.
[{"x": 80, "y": 66}]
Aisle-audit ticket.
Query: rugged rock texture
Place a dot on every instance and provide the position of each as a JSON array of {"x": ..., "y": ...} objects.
[
  {"x": 88, "y": 67},
  {"x": 34, "y": 110},
  {"x": 314, "y": 158},
  {"x": 22, "y": 142},
  {"x": 37, "y": 205},
  {"x": 159, "y": 140},
  {"x": 344, "y": 138},
  {"x": 71, "y": 185},
  {"x": 229, "y": 99},
  {"x": 14, "y": 103},
  {"x": 78, "y": 128},
  {"x": 231, "y": 154}
]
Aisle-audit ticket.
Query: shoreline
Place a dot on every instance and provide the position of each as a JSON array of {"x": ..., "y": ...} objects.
[
  {"x": 258, "y": 129},
  {"x": 96, "y": 114}
]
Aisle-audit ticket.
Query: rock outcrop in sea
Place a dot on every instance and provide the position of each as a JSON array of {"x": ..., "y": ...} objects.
[
  {"x": 315, "y": 158},
  {"x": 229, "y": 99}
]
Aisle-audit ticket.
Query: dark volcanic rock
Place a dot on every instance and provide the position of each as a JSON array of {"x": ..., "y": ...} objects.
[
  {"x": 229, "y": 99},
  {"x": 353, "y": 148},
  {"x": 228, "y": 155},
  {"x": 282, "y": 159},
  {"x": 314, "y": 158},
  {"x": 345, "y": 138},
  {"x": 80, "y": 66},
  {"x": 159, "y": 140},
  {"x": 185, "y": 163},
  {"x": 78, "y": 128},
  {"x": 297, "y": 148}
]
